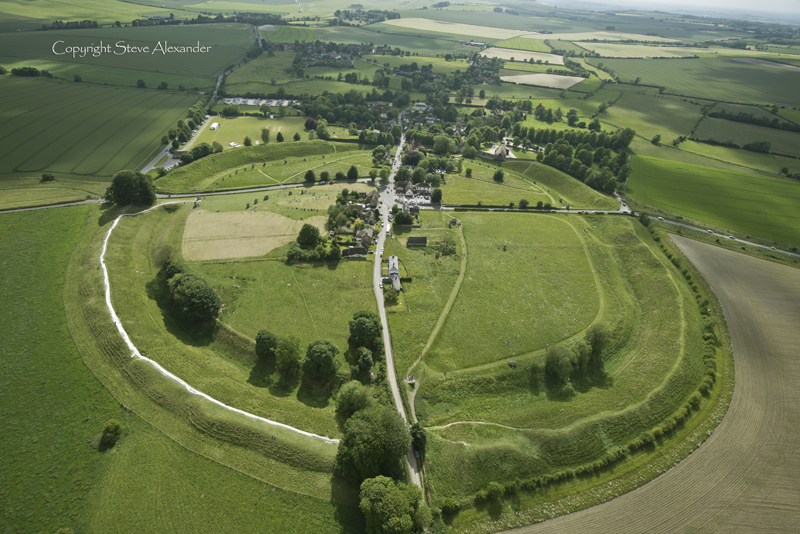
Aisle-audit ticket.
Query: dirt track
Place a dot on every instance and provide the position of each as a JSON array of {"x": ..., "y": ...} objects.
[{"x": 746, "y": 477}]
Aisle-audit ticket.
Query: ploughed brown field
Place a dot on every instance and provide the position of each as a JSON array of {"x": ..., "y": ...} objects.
[{"x": 746, "y": 477}]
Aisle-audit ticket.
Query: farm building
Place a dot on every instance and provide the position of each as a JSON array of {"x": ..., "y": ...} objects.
[
  {"x": 417, "y": 242},
  {"x": 214, "y": 126}
]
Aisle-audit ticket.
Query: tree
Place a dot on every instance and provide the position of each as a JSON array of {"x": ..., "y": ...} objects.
[
  {"x": 248, "y": 141},
  {"x": 264, "y": 109},
  {"x": 375, "y": 440},
  {"x": 279, "y": 137},
  {"x": 310, "y": 124},
  {"x": 309, "y": 235},
  {"x": 195, "y": 301},
  {"x": 216, "y": 148},
  {"x": 162, "y": 85},
  {"x": 324, "y": 176},
  {"x": 265, "y": 135},
  {"x": 390, "y": 296},
  {"x": 320, "y": 360},
  {"x": 111, "y": 431},
  {"x": 644, "y": 218},
  {"x": 597, "y": 337},
  {"x": 656, "y": 140},
  {"x": 266, "y": 344},
  {"x": 131, "y": 187},
  {"x": 495, "y": 490},
  {"x": 77, "y": 78},
  {"x": 364, "y": 359},
  {"x": 419, "y": 437},
  {"x": 436, "y": 196},
  {"x": 140, "y": 84},
  {"x": 47, "y": 177},
  {"x": 558, "y": 363},
  {"x": 352, "y": 173},
  {"x": 498, "y": 175},
  {"x": 365, "y": 330},
  {"x": 468, "y": 172},
  {"x": 353, "y": 397},
  {"x": 393, "y": 507},
  {"x": 469, "y": 152},
  {"x": 482, "y": 94},
  {"x": 296, "y": 136},
  {"x": 310, "y": 176},
  {"x": 287, "y": 353}
]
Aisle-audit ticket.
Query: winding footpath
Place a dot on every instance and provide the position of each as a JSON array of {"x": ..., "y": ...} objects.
[{"x": 136, "y": 354}]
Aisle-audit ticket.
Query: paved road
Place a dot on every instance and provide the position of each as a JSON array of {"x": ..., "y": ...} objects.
[
  {"x": 15, "y": 210},
  {"x": 387, "y": 198}
]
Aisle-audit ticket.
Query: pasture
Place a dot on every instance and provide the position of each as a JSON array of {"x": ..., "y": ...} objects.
[
  {"x": 438, "y": 64},
  {"x": 468, "y": 31},
  {"x": 266, "y": 164},
  {"x": 520, "y": 43},
  {"x": 51, "y": 404},
  {"x": 711, "y": 78},
  {"x": 545, "y": 80},
  {"x": 30, "y": 15},
  {"x": 27, "y": 192},
  {"x": 422, "y": 44},
  {"x": 288, "y": 34},
  {"x": 80, "y": 130},
  {"x": 235, "y": 129},
  {"x": 744, "y": 158},
  {"x": 761, "y": 205},
  {"x": 227, "y": 43},
  {"x": 481, "y": 189},
  {"x": 653, "y": 115}
]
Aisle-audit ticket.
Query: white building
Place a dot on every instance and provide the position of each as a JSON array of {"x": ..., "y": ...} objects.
[{"x": 214, "y": 126}]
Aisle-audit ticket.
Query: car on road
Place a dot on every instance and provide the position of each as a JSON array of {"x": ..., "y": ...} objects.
[
  {"x": 380, "y": 285},
  {"x": 661, "y": 218},
  {"x": 709, "y": 231},
  {"x": 381, "y": 250},
  {"x": 731, "y": 237}
]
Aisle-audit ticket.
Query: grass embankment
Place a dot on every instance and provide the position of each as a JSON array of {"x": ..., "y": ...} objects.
[
  {"x": 289, "y": 461},
  {"x": 50, "y": 403},
  {"x": 760, "y": 205},
  {"x": 246, "y": 166},
  {"x": 654, "y": 365},
  {"x": 27, "y": 192}
]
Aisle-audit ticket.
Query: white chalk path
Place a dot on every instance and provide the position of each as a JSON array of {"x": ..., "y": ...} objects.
[{"x": 136, "y": 354}]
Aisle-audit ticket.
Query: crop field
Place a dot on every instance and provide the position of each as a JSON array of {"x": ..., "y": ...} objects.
[
  {"x": 740, "y": 478},
  {"x": 421, "y": 44},
  {"x": 234, "y": 130},
  {"x": 599, "y": 35},
  {"x": 87, "y": 131},
  {"x": 470, "y": 31},
  {"x": 26, "y": 192},
  {"x": 651, "y": 115},
  {"x": 545, "y": 80},
  {"x": 744, "y": 158},
  {"x": 261, "y": 70},
  {"x": 520, "y": 43},
  {"x": 761, "y": 205},
  {"x": 712, "y": 78},
  {"x": 216, "y": 236},
  {"x": 227, "y": 42},
  {"x": 288, "y": 34},
  {"x": 30, "y": 15},
  {"x": 781, "y": 141},
  {"x": 519, "y": 55},
  {"x": 268, "y": 164},
  {"x": 51, "y": 404},
  {"x": 439, "y": 64}
]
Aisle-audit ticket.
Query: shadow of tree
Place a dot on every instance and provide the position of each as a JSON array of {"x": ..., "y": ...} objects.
[
  {"x": 315, "y": 394},
  {"x": 344, "y": 496},
  {"x": 261, "y": 373},
  {"x": 286, "y": 383}
]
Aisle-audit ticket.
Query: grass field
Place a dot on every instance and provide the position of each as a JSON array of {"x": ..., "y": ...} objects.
[
  {"x": 439, "y": 64},
  {"x": 481, "y": 188},
  {"x": 422, "y": 44},
  {"x": 652, "y": 115},
  {"x": 544, "y": 80},
  {"x": 288, "y": 34},
  {"x": 470, "y": 31},
  {"x": 782, "y": 142},
  {"x": 519, "y": 55},
  {"x": 26, "y": 192},
  {"x": 29, "y": 15},
  {"x": 234, "y": 130},
  {"x": 712, "y": 78},
  {"x": 227, "y": 42},
  {"x": 520, "y": 43},
  {"x": 263, "y": 165},
  {"x": 760, "y": 205},
  {"x": 730, "y": 478},
  {"x": 744, "y": 158},
  {"x": 50, "y": 403},
  {"x": 82, "y": 130}
]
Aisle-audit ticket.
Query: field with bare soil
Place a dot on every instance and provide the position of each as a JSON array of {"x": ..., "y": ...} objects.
[{"x": 743, "y": 479}]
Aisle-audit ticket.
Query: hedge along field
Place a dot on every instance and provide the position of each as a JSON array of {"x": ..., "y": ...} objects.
[
  {"x": 654, "y": 364},
  {"x": 82, "y": 130},
  {"x": 542, "y": 286},
  {"x": 50, "y": 403},
  {"x": 782, "y": 142},
  {"x": 761, "y": 205},
  {"x": 653, "y": 115},
  {"x": 226, "y": 42},
  {"x": 712, "y": 78},
  {"x": 743, "y": 158},
  {"x": 264, "y": 165}
]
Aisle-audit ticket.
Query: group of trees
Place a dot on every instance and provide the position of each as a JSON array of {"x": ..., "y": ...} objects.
[
  {"x": 319, "y": 362},
  {"x": 365, "y": 341},
  {"x": 312, "y": 246},
  {"x": 131, "y": 187},
  {"x": 31, "y": 72},
  {"x": 584, "y": 356},
  {"x": 194, "y": 302},
  {"x": 391, "y": 507}
]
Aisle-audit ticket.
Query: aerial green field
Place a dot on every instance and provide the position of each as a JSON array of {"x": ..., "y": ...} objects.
[
  {"x": 234, "y": 130},
  {"x": 82, "y": 130},
  {"x": 264, "y": 165},
  {"x": 288, "y": 34},
  {"x": 744, "y": 158},
  {"x": 653, "y": 115},
  {"x": 438, "y": 64},
  {"x": 520, "y": 43},
  {"x": 423, "y": 44},
  {"x": 711, "y": 78},
  {"x": 781, "y": 141},
  {"x": 748, "y": 203},
  {"x": 30, "y": 15},
  {"x": 26, "y": 192},
  {"x": 115, "y": 66}
]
